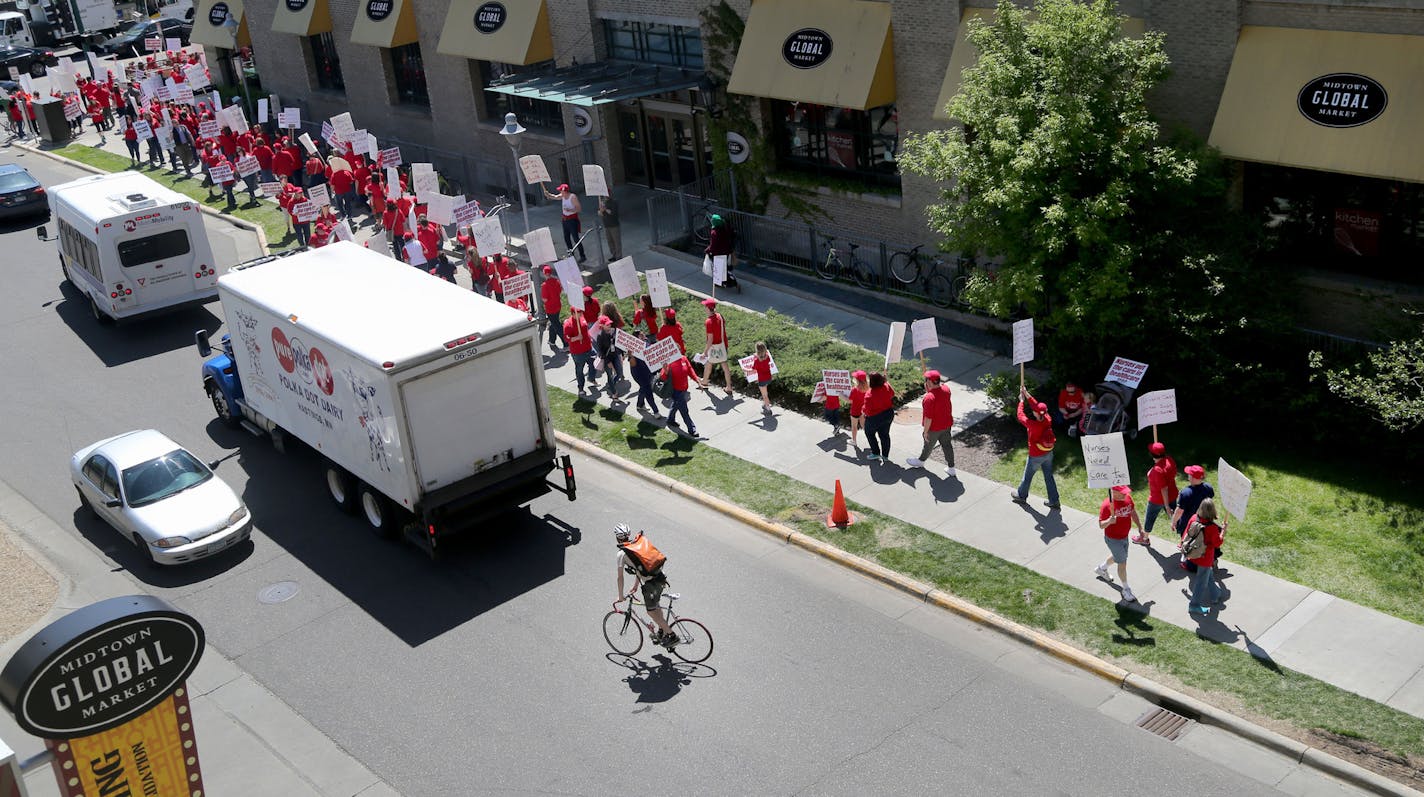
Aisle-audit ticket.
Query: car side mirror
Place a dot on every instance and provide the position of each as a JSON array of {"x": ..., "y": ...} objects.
[
  {"x": 113, "y": 503},
  {"x": 205, "y": 346},
  {"x": 213, "y": 465}
]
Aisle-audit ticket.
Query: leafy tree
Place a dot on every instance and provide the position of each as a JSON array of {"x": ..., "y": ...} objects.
[
  {"x": 1388, "y": 384},
  {"x": 1114, "y": 236}
]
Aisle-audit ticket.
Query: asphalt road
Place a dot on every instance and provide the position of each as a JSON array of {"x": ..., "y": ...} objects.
[{"x": 487, "y": 672}]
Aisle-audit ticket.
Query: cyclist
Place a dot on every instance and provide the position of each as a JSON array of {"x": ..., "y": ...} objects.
[{"x": 639, "y": 558}]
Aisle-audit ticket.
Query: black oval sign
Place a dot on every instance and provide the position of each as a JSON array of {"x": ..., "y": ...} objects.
[
  {"x": 101, "y": 666},
  {"x": 217, "y": 15},
  {"x": 490, "y": 17},
  {"x": 378, "y": 10},
  {"x": 297, "y": 5},
  {"x": 807, "y": 48},
  {"x": 1342, "y": 99}
]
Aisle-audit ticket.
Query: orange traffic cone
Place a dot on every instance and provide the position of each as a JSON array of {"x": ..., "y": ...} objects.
[{"x": 840, "y": 517}]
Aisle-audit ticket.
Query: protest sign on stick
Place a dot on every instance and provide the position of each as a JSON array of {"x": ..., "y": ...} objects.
[
  {"x": 540, "y": 244},
  {"x": 488, "y": 235},
  {"x": 517, "y": 285},
  {"x": 358, "y": 139},
  {"x": 838, "y": 383},
  {"x": 625, "y": 277},
  {"x": 593, "y": 182},
  {"x": 1234, "y": 487},
  {"x": 533, "y": 168},
  {"x": 425, "y": 182},
  {"x": 1159, "y": 406},
  {"x": 307, "y": 142},
  {"x": 294, "y": 117},
  {"x": 818, "y": 393},
  {"x": 342, "y": 123},
  {"x": 923, "y": 335},
  {"x": 261, "y": 109},
  {"x": 390, "y": 157},
  {"x": 466, "y": 213},
  {"x": 1105, "y": 458},
  {"x": 319, "y": 195},
  {"x": 183, "y": 93},
  {"x": 1128, "y": 372},
  {"x": 629, "y": 342},
  {"x": 572, "y": 280},
  {"x": 440, "y": 208},
  {"x": 661, "y": 353},
  {"x": 896, "y": 343},
  {"x": 1023, "y": 341},
  {"x": 658, "y": 287}
]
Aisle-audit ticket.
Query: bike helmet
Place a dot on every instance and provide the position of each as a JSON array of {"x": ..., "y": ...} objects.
[{"x": 622, "y": 533}]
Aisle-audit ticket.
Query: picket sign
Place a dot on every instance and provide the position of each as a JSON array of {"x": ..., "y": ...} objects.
[
  {"x": 517, "y": 285},
  {"x": 534, "y": 170},
  {"x": 625, "y": 277},
  {"x": 661, "y": 354},
  {"x": 466, "y": 214},
  {"x": 221, "y": 173},
  {"x": 488, "y": 235},
  {"x": 390, "y": 157},
  {"x": 629, "y": 342},
  {"x": 658, "y": 287},
  {"x": 247, "y": 166},
  {"x": 319, "y": 195},
  {"x": 895, "y": 344},
  {"x": 1159, "y": 406},
  {"x": 1105, "y": 458},
  {"x": 837, "y": 382},
  {"x": 270, "y": 190},
  {"x": 1233, "y": 487},
  {"x": 209, "y": 128},
  {"x": 818, "y": 394},
  {"x": 572, "y": 279},
  {"x": 1128, "y": 372},
  {"x": 594, "y": 183},
  {"x": 540, "y": 244},
  {"x": 748, "y": 364},
  {"x": 304, "y": 211},
  {"x": 1023, "y": 341},
  {"x": 307, "y": 142},
  {"x": 923, "y": 335},
  {"x": 261, "y": 109}
]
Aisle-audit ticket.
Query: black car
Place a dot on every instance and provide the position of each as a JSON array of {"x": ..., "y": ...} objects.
[
  {"x": 27, "y": 59},
  {"x": 128, "y": 42},
  {"x": 20, "y": 194}
]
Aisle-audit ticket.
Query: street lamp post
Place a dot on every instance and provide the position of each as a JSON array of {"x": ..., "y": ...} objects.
[{"x": 513, "y": 133}]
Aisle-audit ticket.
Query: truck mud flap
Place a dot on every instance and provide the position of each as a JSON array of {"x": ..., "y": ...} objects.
[{"x": 570, "y": 483}]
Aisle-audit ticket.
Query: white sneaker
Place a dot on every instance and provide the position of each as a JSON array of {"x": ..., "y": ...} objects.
[
  {"x": 1127, "y": 594},
  {"x": 915, "y": 462},
  {"x": 951, "y": 473},
  {"x": 1101, "y": 571}
]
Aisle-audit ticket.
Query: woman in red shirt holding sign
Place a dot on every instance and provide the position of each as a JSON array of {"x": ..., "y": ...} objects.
[{"x": 1116, "y": 517}]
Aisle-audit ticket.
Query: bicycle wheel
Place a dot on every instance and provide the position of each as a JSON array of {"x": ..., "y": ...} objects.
[
  {"x": 905, "y": 267},
  {"x": 939, "y": 290},
  {"x": 701, "y": 229},
  {"x": 694, "y": 641},
  {"x": 623, "y": 632},
  {"x": 865, "y": 275},
  {"x": 828, "y": 269},
  {"x": 957, "y": 289}
]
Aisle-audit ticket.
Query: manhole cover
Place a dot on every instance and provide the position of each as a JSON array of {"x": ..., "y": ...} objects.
[
  {"x": 279, "y": 592},
  {"x": 1164, "y": 723}
]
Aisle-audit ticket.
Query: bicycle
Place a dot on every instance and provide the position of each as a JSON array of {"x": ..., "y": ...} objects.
[
  {"x": 701, "y": 223},
  {"x": 623, "y": 630},
  {"x": 908, "y": 267},
  {"x": 833, "y": 266}
]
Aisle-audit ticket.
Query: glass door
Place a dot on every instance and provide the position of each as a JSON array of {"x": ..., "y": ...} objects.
[
  {"x": 660, "y": 149},
  {"x": 635, "y": 155}
]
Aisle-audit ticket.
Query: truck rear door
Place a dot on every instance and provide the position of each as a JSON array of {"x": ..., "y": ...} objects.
[
  {"x": 160, "y": 261},
  {"x": 472, "y": 416}
]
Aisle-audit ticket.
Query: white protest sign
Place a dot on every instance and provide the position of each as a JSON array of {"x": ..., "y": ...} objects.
[
  {"x": 270, "y": 189},
  {"x": 235, "y": 118},
  {"x": 360, "y": 142},
  {"x": 209, "y": 128},
  {"x": 25, "y": 83},
  {"x": 342, "y": 231},
  {"x": 293, "y": 117},
  {"x": 593, "y": 182},
  {"x": 390, "y": 157},
  {"x": 440, "y": 208},
  {"x": 304, "y": 211},
  {"x": 1105, "y": 457},
  {"x": 371, "y": 145},
  {"x": 923, "y": 335},
  {"x": 838, "y": 383},
  {"x": 818, "y": 394},
  {"x": 328, "y": 134},
  {"x": 414, "y": 254},
  {"x": 533, "y": 168},
  {"x": 658, "y": 287},
  {"x": 719, "y": 269},
  {"x": 144, "y": 130},
  {"x": 183, "y": 93},
  {"x": 307, "y": 142},
  {"x": 261, "y": 111},
  {"x": 540, "y": 244},
  {"x": 488, "y": 235},
  {"x": 572, "y": 279},
  {"x": 221, "y": 173},
  {"x": 172, "y": 44},
  {"x": 63, "y": 81},
  {"x": 1233, "y": 487},
  {"x": 1023, "y": 341},
  {"x": 1128, "y": 372},
  {"x": 216, "y": 99},
  {"x": 517, "y": 285},
  {"x": 426, "y": 183},
  {"x": 165, "y": 136},
  {"x": 895, "y": 344},
  {"x": 247, "y": 166},
  {"x": 661, "y": 353},
  {"x": 629, "y": 342},
  {"x": 319, "y": 195},
  {"x": 343, "y": 125},
  {"x": 466, "y": 213},
  {"x": 196, "y": 77},
  {"x": 152, "y": 44},
  {"x": 1159, "y": 406},
  {"x": 393, "y": 189},
  {"x": 748, "y": 364},
  {"x": 625, "y": 277}
]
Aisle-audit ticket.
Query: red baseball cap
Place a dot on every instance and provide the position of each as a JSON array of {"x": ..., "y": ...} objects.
[
  {"x": 588, "y": 290},
  {"x": 1122, "y": 490},
  {"x": 670, "y": 314},
  {"x": 1194, "y": 472},
  {"x": 859, "y": 375},
  {"x": 1041, "y": 407},
  {"x": 1156, "y": 449},
  {"x": 563, "y": 186},
  {"x": 548, "y": 270},
  {"x": 709, "y": 302},
  {"x": 932, "y": 375}
]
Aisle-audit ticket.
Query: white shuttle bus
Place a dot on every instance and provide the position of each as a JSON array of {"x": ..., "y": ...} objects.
[{"x": 132, "y": 246}]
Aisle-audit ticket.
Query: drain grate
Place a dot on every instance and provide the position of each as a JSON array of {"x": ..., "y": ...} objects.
[
  {"x": 278, "y": 592},
  {"x": 1164, "y": 723}
]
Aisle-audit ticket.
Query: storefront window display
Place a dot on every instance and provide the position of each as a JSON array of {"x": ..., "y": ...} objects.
[{"x": 825, "y": 140}]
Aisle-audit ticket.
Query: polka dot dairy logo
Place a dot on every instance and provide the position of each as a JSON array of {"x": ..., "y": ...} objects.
[
  {"x": 283, "y": 349},
  {"x": 321, "y": 372},
  {"x": 807, "y": 48},
  {"x": 490, "y": 17},
  {"x": 217, "y": 15},
  {"x": 378, "y": 10}
]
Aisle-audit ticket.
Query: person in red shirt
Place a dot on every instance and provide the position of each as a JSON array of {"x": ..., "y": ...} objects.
[
  {"x": 264, "y": 155},
  {"x": 645, "y": 314},
  {"x": 1116, "y": 517},
  {"x": 857, "y": 405},
  {"x": 360, "y": 176},
  {"x": 1161, "y": 489},
  {"x": 681, "y": 373},
  {"x": 716, "y": 351},
  {"x": 552, "y": 294},
  {"x": 1070, "y": 409},
  {"x": 316, "y": 171},
  {"x": 937, "y": 414},
  {"x": 761, "y": 369},
  {"x": 592, "y": 308},
  {"x": 879, "y": 413},
  {"x": 1212, "y": 535},
  {"x": 672, "y": 328},
  {"x": 283, "y": 164},
  {"x": 343, "y": 185},
  {"x": 580, "y": 347},
  {"x": 227, "y": 142},
  {"x": 431, "y": 238},
  {"x": 131, "y": 141},
  {"x": 1040, "y": 449},
  {"x": 376, "y": 198}
]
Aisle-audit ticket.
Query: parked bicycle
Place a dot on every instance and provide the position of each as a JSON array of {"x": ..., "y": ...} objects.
[
  {"x": 700, "y": 221},
  {"x": 623, "y": 629},
  {"x": 852, "y": 267},
  {"x": 911, "y": 267}
]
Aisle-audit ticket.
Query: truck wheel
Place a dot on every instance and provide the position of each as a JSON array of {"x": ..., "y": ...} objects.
[
  {"x": 99, "y": 315},
  {"x": 379, "y": 513},
  {"x": 341, "y": 487},
  {"x": 37, "y": 69},
  {"x": 220, "y": 405}
]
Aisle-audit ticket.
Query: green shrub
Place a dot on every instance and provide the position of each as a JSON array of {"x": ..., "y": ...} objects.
[{"x": 1002, "y": 390}]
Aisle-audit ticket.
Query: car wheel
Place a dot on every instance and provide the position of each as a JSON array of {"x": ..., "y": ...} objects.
[
  {"x": 99, "y": 315},
  {"x": 220, "y": 405},
  {"x": 341, "y": 487},
  {"x": 378, "y": 512},
  {"x": 83, "y": 502},
  {"x": 146, "y": 550},
  {"x": 37, "y": 69}
]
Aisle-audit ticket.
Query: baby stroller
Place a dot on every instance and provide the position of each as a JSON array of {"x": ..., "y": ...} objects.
[{"x": 1109, "y": 411}]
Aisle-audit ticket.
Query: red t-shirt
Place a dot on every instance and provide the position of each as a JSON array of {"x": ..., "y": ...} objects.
[
  {"x": 1162, "y": 477},
  {"x": 680, "y": 371},
  {"x": 857, "y": 402},
  {"x": 833, "y": 402},
  {"x": 341, "y": 181},
  {"x": 763, "y": 369},
  {"x": 1212, "y": 534},
  {"x": 429, "y": 236},
  {"x": 938, "y": 408},
  {"x": 1040, "y": 433},
  {"x": 879, "y": 399},
  {"x": 263, "y": 154},
  {"x": 652, "y": 320},
  {"x": 1121, "y": 513},
  {"x": 576, "y": 334},
  {"x": 1070, "y": 401},
  {"x": 283, "y": 162},
  {"x": 716, "y": 326},
  {"x": 591, "y": 309},
  {"x": 674, "y": 331},
  {"x": 553, "y": 294}
]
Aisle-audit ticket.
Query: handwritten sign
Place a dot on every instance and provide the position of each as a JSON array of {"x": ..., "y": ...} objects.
[
  {"x": 625, "y": 277},
  {"x": 290, "y": 117},
  {"x": 533, "y": 168},
  {"x": 593, "y": 182},
  {"x": 221, "y": 173},
  {"x": 261, "y": 109},
  {"x": 1023, "y": 341},
  {"x": 390, "y": 157},
  {"x": 818, "y": 394},
  {"x": 343, "y": 125},
  {"x": 661, "y": 353},
  {"x": 629, "y": 342},
  {"x": 343, "y": 232},
  {"x": 517, "y": 285},
  {"x": 270, "y": 189},
  {"x": 358, "y": 141},
  {"x": 1159, "y": 406},
  {"x": 716, "y": 267},
  {"x": 572, "y": 280},
  {"x": 426, "y": 183},
  {"x": 540, "y": 244},
  {"x": 895, "y": 344},
  {"x": 465, "y": 214},
  {"x": 393, "y": 184},
  {"x": 1128, "y": 372},
  {"x": 165, "y": 136},
  {"x": 304, "y": 211},
  {"x": 923, "y": 335},
  {"x": 1105, "y": 457},
  {"x": 440, "y": 208},
  {"x": 247, "y": 166},
  {"x": 488, "y": 235},
  {"x": 658, "y": 287},
  {"x": 838, "y": 383},
  {"x": 235, "y": 118},
  {"x": 319, "y": 195},
  {"x": 196, "y": 76},
  {"x": 1233, "y": 487},
  {"x": 371, "y": 145}
]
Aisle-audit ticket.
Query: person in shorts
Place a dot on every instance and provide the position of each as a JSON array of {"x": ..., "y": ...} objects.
[
  {"x": 857, "y": 405},
  {"x": 716, "y": 351},
  {"x": 1117, "y": 516},
  {"x": 762, "y": 368}
]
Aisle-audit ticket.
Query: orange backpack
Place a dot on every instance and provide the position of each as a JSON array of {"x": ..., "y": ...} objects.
[{"x": 648, "y": 558}]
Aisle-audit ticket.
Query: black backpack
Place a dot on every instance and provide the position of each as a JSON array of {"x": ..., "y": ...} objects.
[{"x": 603, "y": 344}]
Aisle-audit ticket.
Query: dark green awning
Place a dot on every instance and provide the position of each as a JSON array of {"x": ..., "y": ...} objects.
[{"x": 598, "y": 83}]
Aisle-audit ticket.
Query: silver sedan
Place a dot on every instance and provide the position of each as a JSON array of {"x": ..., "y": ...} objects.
[{"x": 159, "y": 496}]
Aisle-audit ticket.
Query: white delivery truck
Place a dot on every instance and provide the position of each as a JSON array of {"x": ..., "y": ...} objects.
[
  {"x": 426, "y": 401},
  {"x": 132, "y": 246}
]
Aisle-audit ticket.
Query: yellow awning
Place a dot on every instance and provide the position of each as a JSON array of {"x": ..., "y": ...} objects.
[
  {"x": 302, "y": 17},
  {"x": 511, "y": 32},
  {"x": 828, "y": 52},
  {"x": 1338, "y": 102},
  {"x": 965, "y": 53},
  {"x": 210, "y": 26},
  {"x": 385, "y": 23}
]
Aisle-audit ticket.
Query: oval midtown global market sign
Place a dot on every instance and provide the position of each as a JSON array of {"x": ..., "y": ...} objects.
[
  {"x": 217, "y": 15},
  {"x": 807, "y": 48},
  {"x": 378, "y": 10},
  {"x": 100, "y": 666},
  {"x": 490, "y": 17},
  {"x": 296, "y": 5},
  {"x": 1342, "y": 99}
]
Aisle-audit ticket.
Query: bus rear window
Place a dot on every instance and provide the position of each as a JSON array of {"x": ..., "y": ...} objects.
[{"x": 153, "y": 248}]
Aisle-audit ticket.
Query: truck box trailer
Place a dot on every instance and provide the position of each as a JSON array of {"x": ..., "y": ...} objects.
[{"x": 426, "y": 401}]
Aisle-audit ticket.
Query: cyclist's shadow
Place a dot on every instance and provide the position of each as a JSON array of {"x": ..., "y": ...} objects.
[{"x": 661, "y": 680}]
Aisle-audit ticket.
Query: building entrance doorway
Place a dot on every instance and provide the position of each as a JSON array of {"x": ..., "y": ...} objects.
[{"x": 664, "y": 145}]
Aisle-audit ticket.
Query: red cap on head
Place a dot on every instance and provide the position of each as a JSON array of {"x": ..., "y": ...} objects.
[
  {"x": 670, "y": 314},
  {"x": 932, "y": 375},
  {"x": 548, "y": 270},
  {"x": 1121, "y": 492},
  {"x": 1041, "y": 407},
  {"x": 858, "y": 375},
  {"x": 587, "y": 290},
  {"x": 709, "y": 303},
  {"x": 563, "y": 186},
  {"x": 1156, "y": 449},
  {"x": 1195, "y": 472}
]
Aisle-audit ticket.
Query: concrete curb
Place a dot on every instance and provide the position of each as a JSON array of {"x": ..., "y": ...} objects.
[
  {"x": 1124, "y": 679},
  {"x": 233, "y": 220}
]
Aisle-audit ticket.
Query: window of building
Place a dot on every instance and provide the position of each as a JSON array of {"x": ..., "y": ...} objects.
[
  {"x": 326, "y": 63},
  {"x": 541, "y": 115},
  {"x": 822, "y": 139},
  {"x": 408, "y": 74},
  {"x": 653, "y": 43}
]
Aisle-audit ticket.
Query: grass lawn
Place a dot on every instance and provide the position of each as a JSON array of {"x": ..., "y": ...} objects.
[
  {"x": 1142, "y": 643},
  {"x": 264, "y": 214},
  {"x": 1340, "y": 526}
]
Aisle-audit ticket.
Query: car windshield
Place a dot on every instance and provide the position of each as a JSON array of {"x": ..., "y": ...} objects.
[
  {"x": 163, "y": 476},
  {"x": 132, "y": 29},
  {"x": 12, "y": 181}
]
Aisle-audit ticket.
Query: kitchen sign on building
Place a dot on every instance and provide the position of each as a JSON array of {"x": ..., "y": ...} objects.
[{"x": 106, "y": 687}]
